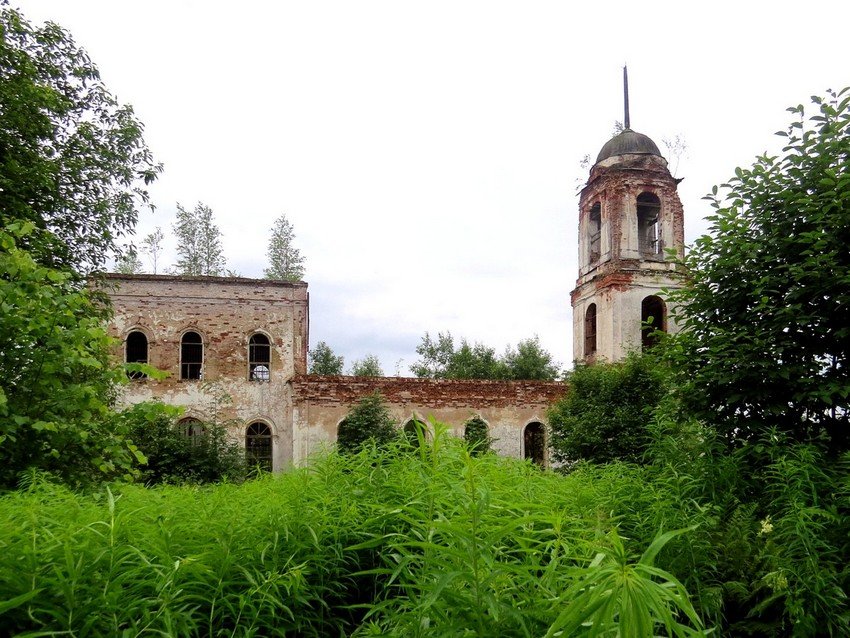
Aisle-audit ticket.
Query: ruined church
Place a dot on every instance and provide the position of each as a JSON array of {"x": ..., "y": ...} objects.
[{"x": 235, "y": 349}]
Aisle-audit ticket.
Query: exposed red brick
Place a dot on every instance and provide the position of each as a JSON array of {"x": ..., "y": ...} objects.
[{"x": 433, "y": 393}]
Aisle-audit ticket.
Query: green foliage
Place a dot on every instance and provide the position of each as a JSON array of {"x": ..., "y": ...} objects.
[
  {"x": 368, "y": 423},
  {"x": 605, "y": 414},
  {"x": 56, "y": 380},
  {"x": 285, "y": 260},
  {"x": 375, "y": 543},
  {"x": 384, "y": 542},
  {"x": 436, "y": 356},
  {"x": 440, "y": 360},
  {"x": 324, "y": 361},
  {"x": 198, "y": 242},
  {"x": 757, "y": 437},
  {"x": 73, "y": 170},
  {"x": 766, "y": 339},
  {"x": 128, "y": 263},
  {"x": 799, "y": 577},
  {"x": 617, "y": 597},
  {"x": 152, "y": 247},
  {"x": 474, "y": 362},
  {"x": 368, "y": 366},
  {"x": 530, "y": 362},
  {"x": 415, "y": 433},
  {"x": 477, "y": 436},
  {"x": 173, "y": 456},
  {"x": 74, "y": 161}
]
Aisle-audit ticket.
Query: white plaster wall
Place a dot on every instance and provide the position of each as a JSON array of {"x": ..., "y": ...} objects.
[
  {"x": 315, "y": 426},
  {"x": 618, "y": 315}
]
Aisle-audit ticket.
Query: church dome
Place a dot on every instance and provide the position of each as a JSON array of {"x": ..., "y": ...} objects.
[{"x": 628, "y": 141}]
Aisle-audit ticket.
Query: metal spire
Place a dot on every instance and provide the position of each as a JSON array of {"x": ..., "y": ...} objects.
[{"x": 626, "y": 95}]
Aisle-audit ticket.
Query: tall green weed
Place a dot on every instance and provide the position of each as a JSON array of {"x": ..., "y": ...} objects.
[{"x": 425, "y": 542}]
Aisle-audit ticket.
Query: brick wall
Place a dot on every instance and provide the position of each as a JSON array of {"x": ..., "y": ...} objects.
[
  {"x": 303, "y": 411},
  {"x": 320, "y": 403},
  {"x": 225, "y": 311}
]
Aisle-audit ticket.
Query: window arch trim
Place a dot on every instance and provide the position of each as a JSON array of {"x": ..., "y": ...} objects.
[{"x": 193, "y": 428}]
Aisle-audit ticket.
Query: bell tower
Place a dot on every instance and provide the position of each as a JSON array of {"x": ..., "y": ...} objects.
[{"x": 630, "y": 215}]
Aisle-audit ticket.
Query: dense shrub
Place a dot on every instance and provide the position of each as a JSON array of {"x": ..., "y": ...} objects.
[
  {"x": 607, "y": 410},
  {"x": 477, "y": 436},
  {"x": 173, "y": 456},
  {"x": 368, "y": 422}
]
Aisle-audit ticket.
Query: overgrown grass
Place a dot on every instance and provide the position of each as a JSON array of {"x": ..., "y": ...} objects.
[{"x": 407, "y": 543}]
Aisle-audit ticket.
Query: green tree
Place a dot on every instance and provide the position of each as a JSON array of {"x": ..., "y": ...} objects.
[
  {"x": 439, "y": 359},
  {"x": 368, "y": 422},
  {"x": 198, "y": 242},
  {"x": 435, "y": 356},
  {"x": 285, "y": 260},
  {"x": 152, "y": 247},
  {"x": 766, "y": 335},
  {"x": 324, "y": 361},
  {"x": 607, "y": 410},
  {"x": 368, "y": 366},
  {"x": 530, "y": 362},
  {"x": 73, "y": 160},
  {"x": 128, "y": 263},
  {"x": 56, "y": 379},
  {"x": 475, "y": 362}
]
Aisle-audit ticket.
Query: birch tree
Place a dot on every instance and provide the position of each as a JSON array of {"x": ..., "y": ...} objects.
[
  {"x": 284, "y": 259},
  {"x": 198, "y": 242}
]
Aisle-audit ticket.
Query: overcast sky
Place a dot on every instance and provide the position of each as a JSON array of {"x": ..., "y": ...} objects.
[{"x": 428, "y": 153}]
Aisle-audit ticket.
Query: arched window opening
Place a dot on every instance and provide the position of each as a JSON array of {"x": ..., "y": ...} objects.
[
  {"x": 136, "y": 351},
  {"x": 594, "y": 232},
  {"x": 476, "y": 434},
  {"x": 258, "y": 446},
  {"x": 534, "y": 443},
  {"x": 193, "y": 429},
  {"x": 415, "y": 432},
  {"x": 653, "y": 317},
  {"x": 191, "y": 356},
  {"x": 590, "y": 330},
  {"x": 649, "y": 227},
  {"x": 259, "y": 358}
]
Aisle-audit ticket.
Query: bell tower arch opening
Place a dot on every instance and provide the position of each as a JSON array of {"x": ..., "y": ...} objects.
[
  {"x": 653, "y": 320},
  {"x": 594, "y": 233},
  {"x": 590, "y": 331},
  {"x": 649, "y": 232}
]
